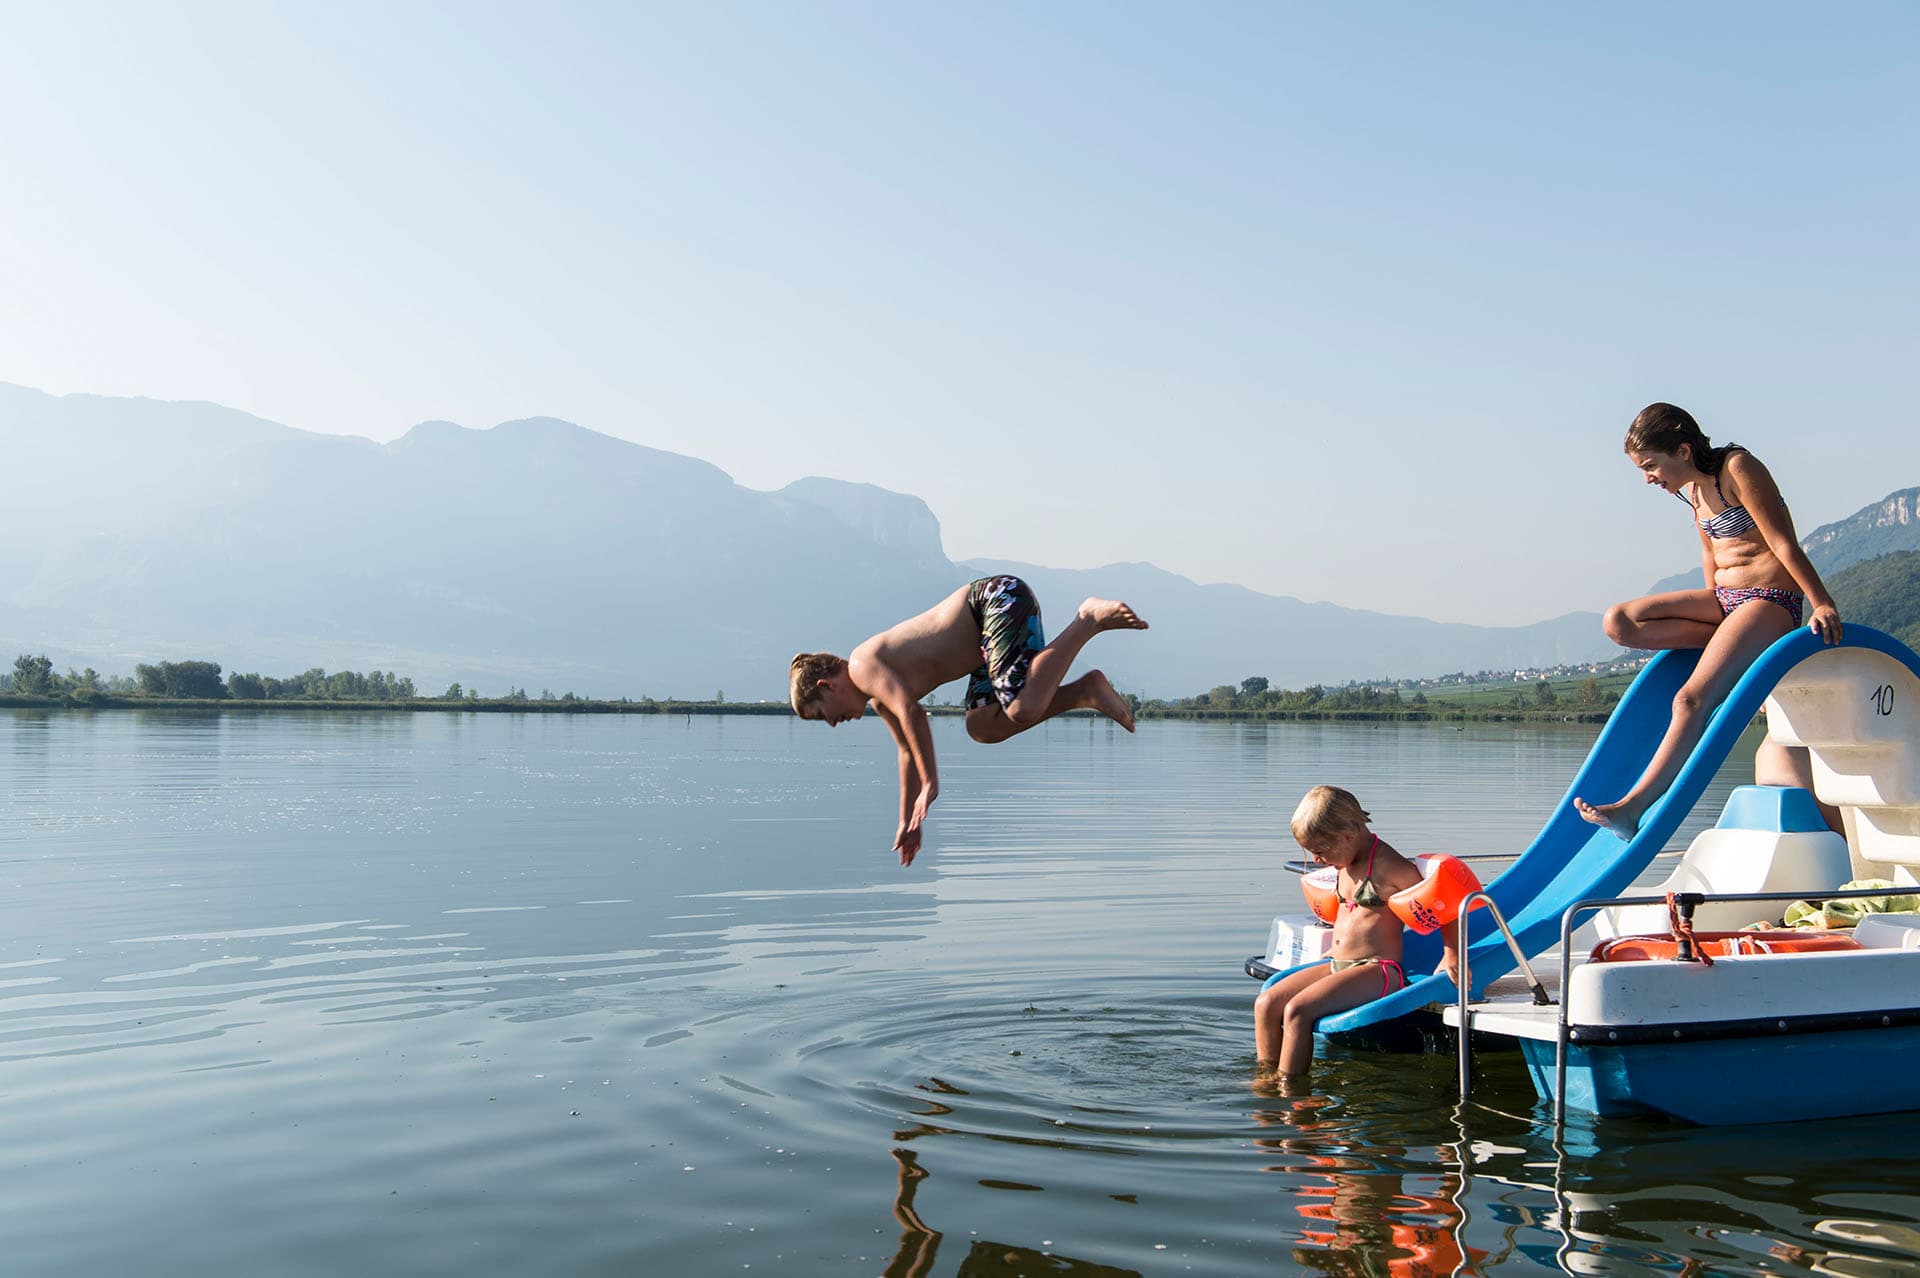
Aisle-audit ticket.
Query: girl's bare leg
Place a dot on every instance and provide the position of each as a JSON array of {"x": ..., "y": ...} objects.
[
  {"x": 1270, "y": 1009},
  {"x": 1677, "y": 619},
  {"x": 1777, "y": 764},
  {"x": 1738, "y": 640},
  {"x": 1350, "y": 988}
]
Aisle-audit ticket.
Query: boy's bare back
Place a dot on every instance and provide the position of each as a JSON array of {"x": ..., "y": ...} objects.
[{"x": 938, "y": 646}]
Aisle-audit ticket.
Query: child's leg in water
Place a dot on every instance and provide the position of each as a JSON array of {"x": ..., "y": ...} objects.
[{"x": 1285, "y": 1013}]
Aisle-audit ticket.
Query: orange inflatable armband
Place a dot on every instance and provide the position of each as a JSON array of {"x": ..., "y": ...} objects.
[
  {"x": 1434, "y": 902},
  {"x": 1322, "y": 887}
]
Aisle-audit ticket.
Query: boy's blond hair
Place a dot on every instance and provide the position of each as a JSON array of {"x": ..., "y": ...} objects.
[
  {"x": 805, "y": 672},
  {"x": 1327, "y": 809}
]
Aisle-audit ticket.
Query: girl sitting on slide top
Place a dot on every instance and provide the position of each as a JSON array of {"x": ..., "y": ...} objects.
[
  {"x": 1758, "y": 587},
  {"x": 1331, "y": 827}
]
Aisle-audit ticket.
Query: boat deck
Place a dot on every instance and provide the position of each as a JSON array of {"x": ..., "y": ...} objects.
[{"x": 1508, "y": 1008}]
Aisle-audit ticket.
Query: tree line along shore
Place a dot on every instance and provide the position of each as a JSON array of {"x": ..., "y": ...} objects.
[{"x": 200, "y": 685}]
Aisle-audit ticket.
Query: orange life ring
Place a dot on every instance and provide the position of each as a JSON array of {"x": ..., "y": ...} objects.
[
  {"x": 1632, "y": 949},
  {"x": 1434, "y": 902},
  {"x": 1322, "y": 887}
]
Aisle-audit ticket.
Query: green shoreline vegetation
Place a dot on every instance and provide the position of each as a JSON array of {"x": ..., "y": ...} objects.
[
  {"x": 1580, "y": 696},
  {"x": 197, "y": 685}
]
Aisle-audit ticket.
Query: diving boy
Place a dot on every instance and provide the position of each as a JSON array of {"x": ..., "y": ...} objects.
[{"x": 989, "y": 627}]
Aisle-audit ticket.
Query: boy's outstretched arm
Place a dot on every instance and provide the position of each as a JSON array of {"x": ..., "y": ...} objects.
[
  {"x": 919, "y": 777},
  {"x": 906, "y": 839}
]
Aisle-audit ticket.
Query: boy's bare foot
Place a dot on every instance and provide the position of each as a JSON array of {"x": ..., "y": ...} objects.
[
  {"x": 1109, "y": 614},
  {"x": 1621, "y": 818},
  {"x": 1107, "y": 701}
]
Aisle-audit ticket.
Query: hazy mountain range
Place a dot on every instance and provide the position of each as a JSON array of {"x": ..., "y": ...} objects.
[{"x": 542, "y": 554}]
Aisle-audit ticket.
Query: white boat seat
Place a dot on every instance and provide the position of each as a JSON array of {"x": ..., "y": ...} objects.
[
  {"x": 1889, "y": 932},
  {"x": 1768, "y": 839}
]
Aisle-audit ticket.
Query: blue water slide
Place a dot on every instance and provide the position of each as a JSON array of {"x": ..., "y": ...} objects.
[{"x": 1571, "y": 860}]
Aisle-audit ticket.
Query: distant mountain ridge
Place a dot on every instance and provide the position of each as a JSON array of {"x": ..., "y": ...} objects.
[{"x": 541, "y": 553}]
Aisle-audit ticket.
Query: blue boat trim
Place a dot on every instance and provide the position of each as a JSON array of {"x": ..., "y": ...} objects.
[
  {"x": 1726, "y": 1082},
  {"x": 1750, "y": 1027}
]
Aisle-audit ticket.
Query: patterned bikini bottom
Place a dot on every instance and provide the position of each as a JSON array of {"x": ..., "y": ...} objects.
[
  {"x": 1731, "y": 597},
  {"x": 1392, "y": 975}
]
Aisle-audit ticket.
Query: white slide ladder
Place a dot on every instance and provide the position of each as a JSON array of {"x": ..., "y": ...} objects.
[{"x": 1857, "y": 711}]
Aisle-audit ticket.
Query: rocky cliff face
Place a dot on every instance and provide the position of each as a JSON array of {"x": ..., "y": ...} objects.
[
  {"x": 894, "y": 520},
  {"x": 1891, "y": 524}
]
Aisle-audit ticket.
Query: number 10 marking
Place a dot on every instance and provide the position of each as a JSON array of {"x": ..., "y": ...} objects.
[{"x": 1882, "y": 699}]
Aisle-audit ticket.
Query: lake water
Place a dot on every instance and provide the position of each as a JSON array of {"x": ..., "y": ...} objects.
[{"x": 488, "y": 994}]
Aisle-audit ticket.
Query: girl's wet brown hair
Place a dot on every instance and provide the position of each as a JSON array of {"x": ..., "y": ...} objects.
[{"x": 1662, "y": 428}]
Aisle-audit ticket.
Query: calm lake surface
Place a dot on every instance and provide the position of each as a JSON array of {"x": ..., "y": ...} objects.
[{"x": 492, "y": 994}]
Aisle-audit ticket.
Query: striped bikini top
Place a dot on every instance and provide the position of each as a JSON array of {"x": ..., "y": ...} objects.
[{"x": 1734, "y": 521}]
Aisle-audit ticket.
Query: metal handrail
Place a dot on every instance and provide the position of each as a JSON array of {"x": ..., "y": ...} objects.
[
  {"x": 1464, "y": 981},
  {"x": 1567, "y": 927}
]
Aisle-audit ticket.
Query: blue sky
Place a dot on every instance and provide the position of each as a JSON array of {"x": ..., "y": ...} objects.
[{"x": 1350, "y": 303}]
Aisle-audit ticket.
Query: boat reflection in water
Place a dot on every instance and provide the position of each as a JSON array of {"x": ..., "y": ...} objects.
[
  {"x": 1483, "y": 1192},
  {"x": 1847, "y": 1202}
]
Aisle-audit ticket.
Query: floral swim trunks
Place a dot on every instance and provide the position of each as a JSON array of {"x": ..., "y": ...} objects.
[
  {"x": 1731, "y": 597},
  {"x": 1009, "y": 619}
]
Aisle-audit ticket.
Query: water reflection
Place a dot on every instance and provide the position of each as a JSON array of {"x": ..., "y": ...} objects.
[
  {"x": 1359, "y": 1219},
  {"x": 1378, "y": 1228},
  {"x": 1831, "y": 1197},
  {"x": 920, "y": 1243},
  {"x": 998, "y": 1260},
  {"x": 29, "y": 737}
]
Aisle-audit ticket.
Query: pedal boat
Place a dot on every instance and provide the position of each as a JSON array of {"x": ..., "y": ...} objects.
[{"x": 1689, "y": 1020}]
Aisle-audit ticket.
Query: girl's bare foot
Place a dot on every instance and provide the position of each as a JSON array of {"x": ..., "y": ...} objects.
[
  {"x": 1108, "y": 702},
  {"x": 1266, "y": 1078},
  {"x": 1622, "y": 818},
  {"x": 1109, "y": 614}
]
